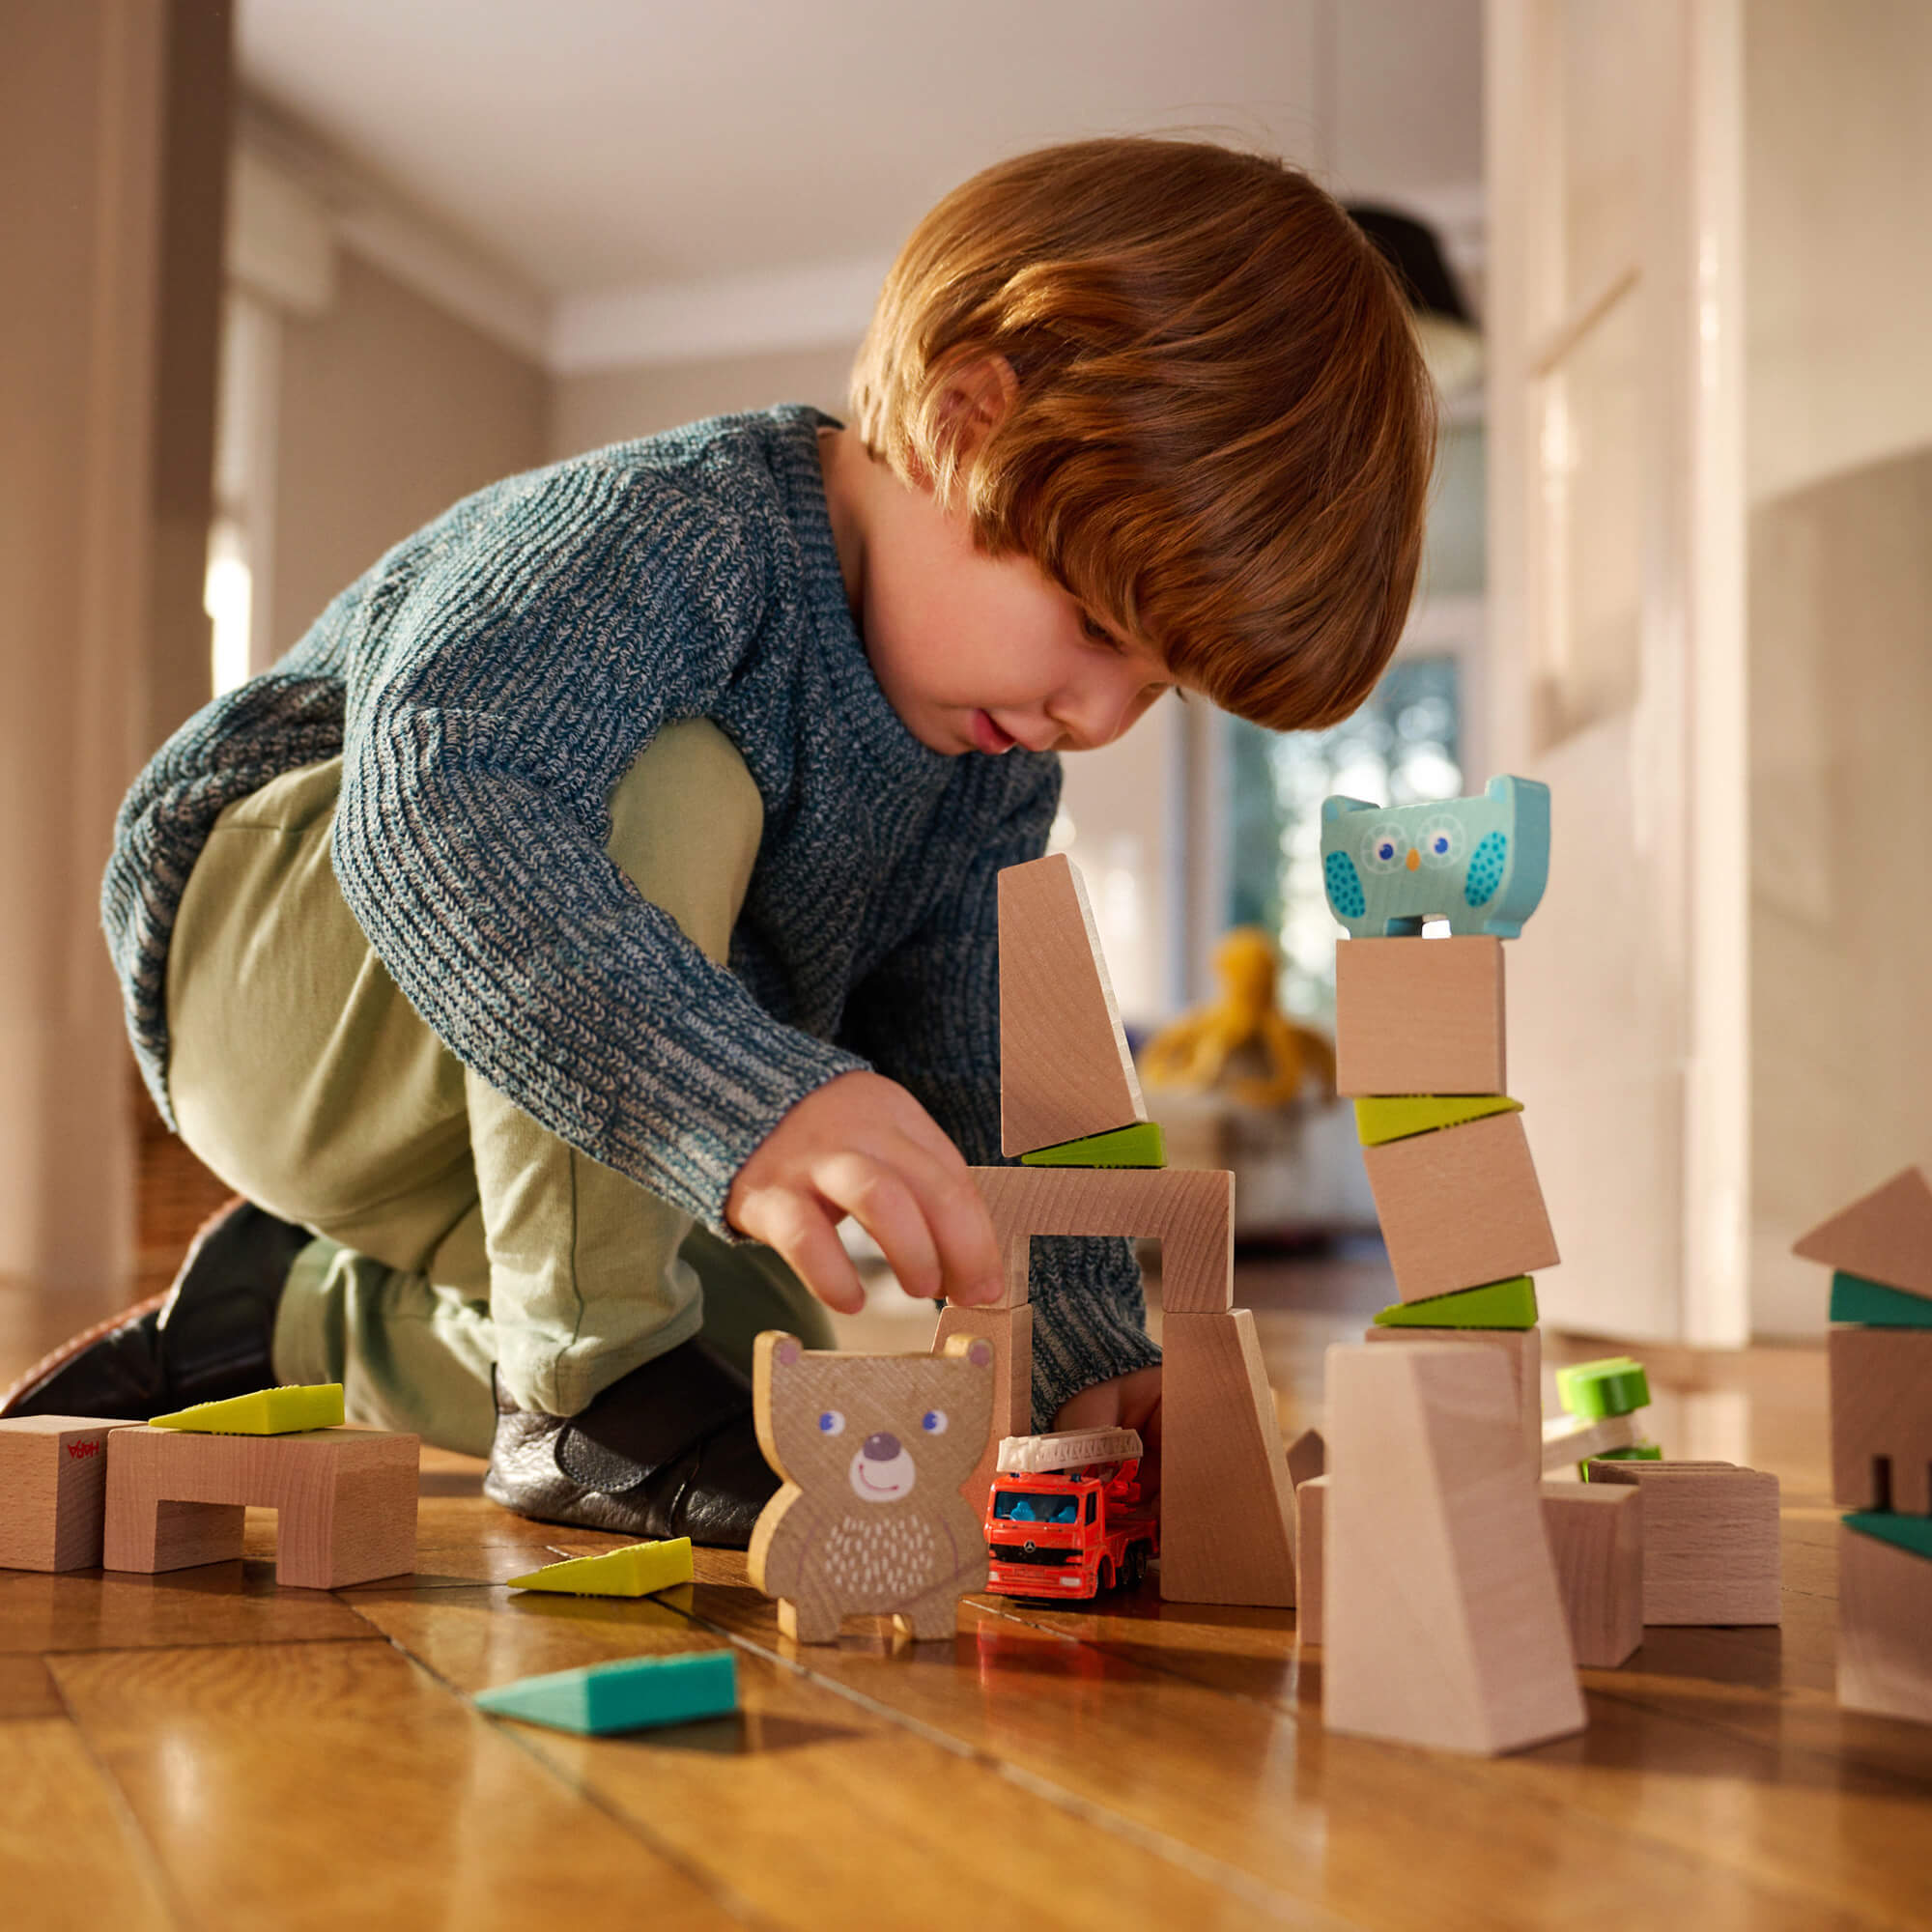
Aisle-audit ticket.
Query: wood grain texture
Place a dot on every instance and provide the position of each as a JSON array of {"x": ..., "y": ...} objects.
[
  {"x": 1710, "y": 1540},
  {"x": 1442, "y": 1623},
  {"x": 1881, "y": 1419},
  {"x": 1419, "y": 1017},
  {"x": 1596, "y": 1540},
  {"x": 53, "y": 1490},
  {"x": 1009, "y": 1332},
  {"x": 1521, "y": 1349},
  {"x": 1190, "y": 1212},
  {"x": 1311, "y": 1510},
  {"x": 1884, "y": 1235},
  {"x": 1885, "y": 1628},
  {"x": 1064, "y": 1068},
  {"x": 1226, "y": 1510},
  {"x": 1460, "y": 1207},
  {"x": 345, "y": 1500}
]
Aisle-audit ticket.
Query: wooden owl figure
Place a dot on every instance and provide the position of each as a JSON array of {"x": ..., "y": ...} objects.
[{"x": 1479, "y": 863}]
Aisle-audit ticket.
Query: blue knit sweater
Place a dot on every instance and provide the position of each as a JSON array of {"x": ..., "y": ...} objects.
[{"x": 489, "y": 682}]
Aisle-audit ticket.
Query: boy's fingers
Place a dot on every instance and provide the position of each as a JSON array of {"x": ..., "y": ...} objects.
[
  {"x": 807, "y": 1237},
  {"x": 969, "y": 1253},
  {"x": 884, "y": 1206}
]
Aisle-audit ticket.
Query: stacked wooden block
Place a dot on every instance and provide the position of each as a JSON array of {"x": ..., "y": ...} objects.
[{"x": 1881, "y": 1251}]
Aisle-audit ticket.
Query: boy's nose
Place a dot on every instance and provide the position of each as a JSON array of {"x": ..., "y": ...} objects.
[{"x": 882, "y": 1448}]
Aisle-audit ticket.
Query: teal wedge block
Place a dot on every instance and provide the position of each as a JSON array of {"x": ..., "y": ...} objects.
[
  {"x": 1907, "y": 1532},
  {"x": 634, "y": 1693},
  {"x": 1873, "y": 1305}
]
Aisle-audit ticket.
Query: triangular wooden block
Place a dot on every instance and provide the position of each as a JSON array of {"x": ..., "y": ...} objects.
[
  {"x": 1064, "y": 1068},
  {"x": 1397, "y": 1117},
  {"x": 1443, "y": 1623},
  {"x": 632, "y": 1694},
  {"x": 1869, "y": 1304},
  {"x": 635, "y": 1571},
  {"x": 1500, "y": 1304},
  {"x": 1886, "y": 1237},
  {"x": 1141, "y": 1144},
  {"x": 273, "y": 1411}
]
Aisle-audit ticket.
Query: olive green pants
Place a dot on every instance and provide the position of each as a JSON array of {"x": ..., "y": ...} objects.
[{"x": 455, "y": 1235}]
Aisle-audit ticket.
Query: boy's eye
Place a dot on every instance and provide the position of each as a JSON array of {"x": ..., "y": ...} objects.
[{"x": 1096, "y": 632}]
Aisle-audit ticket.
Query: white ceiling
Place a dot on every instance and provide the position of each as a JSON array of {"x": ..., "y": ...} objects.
[{"x": 596, "y": 145}]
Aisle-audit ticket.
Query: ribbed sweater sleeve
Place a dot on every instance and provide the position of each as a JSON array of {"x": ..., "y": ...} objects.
[
  {"x": 929, "y": 1018},
  {"x": 525, "y": 665}
]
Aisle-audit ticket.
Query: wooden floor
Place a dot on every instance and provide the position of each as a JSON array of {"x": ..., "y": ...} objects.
[{"x": 204, "y": 1750}]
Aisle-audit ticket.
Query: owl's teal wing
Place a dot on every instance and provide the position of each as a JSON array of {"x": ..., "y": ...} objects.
[{"x": 1346, "y": 898}]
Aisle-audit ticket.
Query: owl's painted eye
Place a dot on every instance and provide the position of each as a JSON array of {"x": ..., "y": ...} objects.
[
  {"x": 933, "y": 1422},
  {"x": 1441, "y": 842},
  {"x": 831, "y": 1423},
  {"x": 1384, "y": 849}
]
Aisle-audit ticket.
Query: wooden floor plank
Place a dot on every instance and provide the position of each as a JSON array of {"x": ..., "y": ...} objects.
[{"x": 313, "y": 1787}]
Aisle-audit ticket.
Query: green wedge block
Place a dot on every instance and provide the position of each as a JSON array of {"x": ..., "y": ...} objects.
[
  {"x": 632, "y": 1694},
  {"x": 635, "y": 1571},
  {"x": 1855, "y": 1299},
  {"x": 1611, "y": 1386},
  {"x": 1908, "y": 1532},
  {"x": 1631, "y": 1452},
  {"x": 1500, "y": 1304},
  {"x": 276, "y": 1411},
  {"x": 1400, "y": 1116},
  {"x": 1138, "y": 1146}
]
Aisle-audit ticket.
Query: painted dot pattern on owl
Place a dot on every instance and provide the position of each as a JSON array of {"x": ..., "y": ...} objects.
[{"x": 1481, "y": 863}]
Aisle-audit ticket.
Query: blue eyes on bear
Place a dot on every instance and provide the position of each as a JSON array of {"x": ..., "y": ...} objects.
[
  {"x": 933, "y": 1422},
  {"x": 831, "y": 1423}
]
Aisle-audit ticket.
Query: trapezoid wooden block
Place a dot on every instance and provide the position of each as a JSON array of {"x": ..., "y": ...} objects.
[
  {"x": 1884, "y": 1235},
  {"x": 1442, "y": 1623},
  {"x": 1461, "y": 1207},
  {"x": 1311, "y": 1501},
  {"x": 1499, "y": 1304},
  {"x": 1596, "y": 1540},
  {"x": 1870, "y": 1304},
  {"x": 1226, "y": 1507},
  {"x": 268, "y": 1412},
  {"x": 345, "y": 1499},
  {"x": 53, "y": 1490},
  {"x": 1064, "y": 1068},
  {"x": 1400, "y": 1116},
  {"x": 634, "y": 1694},
  {"x": 1419, "y": 1017},
  {"x": 1710, "y": 1540},
  {"x": 1190, "y": 1211},
  {"x": 638, "y": 1569},
  {"x": 1885, "y": 1628},
  {"x": 1881, "y": 1419},
  {"x": 1010, "y": 1331},
  {"x": 1521, "y": 1351}
]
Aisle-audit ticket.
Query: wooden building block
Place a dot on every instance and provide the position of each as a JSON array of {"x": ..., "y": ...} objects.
[
  {"x": 1441, "y": 1622},
  {"x": 267, "y": 1412},
  {"x": 1499, "y": 1304},
  {"x": 1009, "y": 1333},
  {"x": 1461, "y": 1207},
  {"x": 1881, "y": 1419},
  {"x": 1419, "y": 1017},
  {"x": 1885, "y": 1235},
  {"x": 1400, "y": 1116},
  {"x": 634, "y": 1694},
  {"x": 345, "y": 1499},
  {"x": 638, "y": 1569},
  {"x": 1064, "y": 1068},
  {"x": 874, "y": 1451},
  {"x": 1190, "y": 1211},
  {"x": 1226, "y": 1510},
  {"x": 1596, "y": 1540},
  {"x": 1885, "y": 1628},
  {"x": 1307, "y": 1458},
  {"x": 1710, "y": 1540},
  {"x": 1311, "y": 1501},
  {"x": 1575, "y": 1438},
  {"x": 53, "y": 1490},
  {"x": 1521, "y": 1349}
]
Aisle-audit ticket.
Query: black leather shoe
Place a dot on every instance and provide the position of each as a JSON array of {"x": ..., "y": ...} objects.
[
  {"x": 208, "y": 1338},
  {"x": 667, "y": 1450}
]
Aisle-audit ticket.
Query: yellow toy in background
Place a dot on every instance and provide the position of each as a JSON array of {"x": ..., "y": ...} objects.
[{"x": 1194, "y": 1052}]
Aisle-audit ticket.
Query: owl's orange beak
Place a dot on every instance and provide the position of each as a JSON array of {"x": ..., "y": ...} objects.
[{"x": 1414, "y": 860}]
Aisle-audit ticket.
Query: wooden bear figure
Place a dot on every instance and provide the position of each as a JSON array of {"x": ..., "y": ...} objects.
[{"x": 872, "y": 1449}]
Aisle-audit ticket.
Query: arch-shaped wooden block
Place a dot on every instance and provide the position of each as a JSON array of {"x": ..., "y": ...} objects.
[{"x": 345, "y": 1499}]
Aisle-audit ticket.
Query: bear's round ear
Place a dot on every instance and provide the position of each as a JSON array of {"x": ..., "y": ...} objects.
[
  {"x": 981, "y": 1353},
  {"x": 786, "y": 1350}
]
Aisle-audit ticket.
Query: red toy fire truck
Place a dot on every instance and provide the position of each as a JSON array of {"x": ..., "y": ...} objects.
[{"x": 1065, "y": 1518}]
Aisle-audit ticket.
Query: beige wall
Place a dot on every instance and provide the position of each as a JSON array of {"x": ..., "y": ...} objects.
[{"x": 390, "y": 409}]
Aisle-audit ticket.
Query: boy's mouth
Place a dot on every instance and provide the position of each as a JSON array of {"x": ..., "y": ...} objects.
[{"x": 989, "y": 737}]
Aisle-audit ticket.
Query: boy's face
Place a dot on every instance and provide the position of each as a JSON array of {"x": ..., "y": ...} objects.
[{"x": 975, "y": 653}]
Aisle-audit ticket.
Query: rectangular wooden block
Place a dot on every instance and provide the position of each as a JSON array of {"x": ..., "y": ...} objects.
[
  {"x": 1710, "y": 1540},
  {"x": 1010, "y": 1332},
  {"x": 1881, "y": 1419},
  {"x": 1521, "y": 1349},
  {"x": 53, "y": 1490},
  {"x": 1460, "y": 1207},
  {"x": 1064, "y": 1068},
  {"x": 1227, "y": 1512},
  {"x": 1596, "y": 1540},
  {"x": 1885, "y": 1628},
  {"x": 1310, "y": 1508},
  {"x": 1419, "y": 1017},
  {"x": 1190, "y": 1212},
  {"x": 346, "y": 1500},
  {"x": 1441, "y": 1622}
]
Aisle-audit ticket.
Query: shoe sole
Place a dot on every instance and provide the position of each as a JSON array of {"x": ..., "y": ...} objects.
[{"x": 74, "y": 1346}]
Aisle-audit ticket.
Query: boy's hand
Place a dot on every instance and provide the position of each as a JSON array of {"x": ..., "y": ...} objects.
[
  {"x": 1127, "y": 1401},
  {"x": 861, "y": 1145}
]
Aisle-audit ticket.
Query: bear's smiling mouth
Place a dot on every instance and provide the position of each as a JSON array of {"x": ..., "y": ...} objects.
[{"x": 901, "y": 1472}]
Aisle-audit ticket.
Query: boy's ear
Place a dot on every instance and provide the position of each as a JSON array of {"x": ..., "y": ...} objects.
[{"x": 976, "y": 400}]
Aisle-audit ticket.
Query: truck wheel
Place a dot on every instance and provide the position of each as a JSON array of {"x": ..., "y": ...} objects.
[
  {"x": 1108, "y": 1577},
  {"x": 1137, "y": 1566}
]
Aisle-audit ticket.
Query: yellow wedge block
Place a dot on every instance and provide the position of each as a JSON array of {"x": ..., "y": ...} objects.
[
  {"x": 276, "y": 1411},
  {"x": 1400, "y": 1117},
  {"x": 638, "y": 1569}
]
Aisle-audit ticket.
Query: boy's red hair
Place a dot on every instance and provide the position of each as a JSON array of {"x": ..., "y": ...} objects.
[{"x": 1222, "y": 430}]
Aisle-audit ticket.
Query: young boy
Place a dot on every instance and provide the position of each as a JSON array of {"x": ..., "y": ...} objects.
[{"x": 598, "y": 904}]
